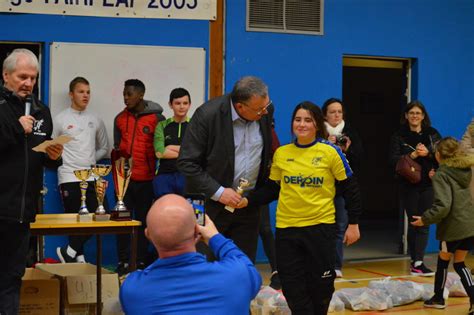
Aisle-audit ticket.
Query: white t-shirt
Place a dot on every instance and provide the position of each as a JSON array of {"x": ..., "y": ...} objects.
[{"x": 89, "y": 143}]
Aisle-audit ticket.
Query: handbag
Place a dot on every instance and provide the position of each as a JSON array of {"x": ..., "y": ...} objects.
[{"x": 408, "y": 169}]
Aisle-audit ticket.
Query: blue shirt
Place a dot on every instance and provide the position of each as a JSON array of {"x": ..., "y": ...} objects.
[
  {"x": 187, "y": 284},
  {"x": 248, "y": 146}
]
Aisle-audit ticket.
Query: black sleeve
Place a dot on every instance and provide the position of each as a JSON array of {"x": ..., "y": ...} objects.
[
  {"x": 265, "y": 194},
  {"x": 192, "y": 155},
  {"x": 395, "y": 149},
  {"x": 351, "y": 193},
  {"x": 11, "y": 133},
  {"x": 47, "y": 162},
  {"x": 355, "y": 151}
]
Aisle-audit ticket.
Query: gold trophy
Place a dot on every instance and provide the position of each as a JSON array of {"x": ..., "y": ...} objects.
[
  {"x": 101, "y": 170},
  {"x": 243, "y": 183},
  {"x": 122, "y": 171},
  {"x": 83, "y": 176}
]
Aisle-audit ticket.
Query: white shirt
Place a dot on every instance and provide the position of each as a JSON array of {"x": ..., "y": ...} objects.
[{"x": 89, "y": 143}]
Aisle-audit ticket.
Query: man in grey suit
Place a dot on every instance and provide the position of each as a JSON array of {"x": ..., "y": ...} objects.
[{"x": 229, "y": 138}]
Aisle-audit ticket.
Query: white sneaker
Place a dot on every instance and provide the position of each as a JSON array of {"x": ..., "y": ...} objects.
[
  {"x": 338, "y": 273},
  {"x": 81, "y": 259}
]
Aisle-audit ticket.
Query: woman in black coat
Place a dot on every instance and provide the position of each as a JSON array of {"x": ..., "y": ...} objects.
[{"x": 416, "y": 138}]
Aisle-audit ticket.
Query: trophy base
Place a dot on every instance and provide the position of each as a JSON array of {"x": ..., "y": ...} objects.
[
  {"x": 121, "y": 215},
  {"x": 84, "y": 217},
  {"x": 101, "y": 217},
  {"x": 230, "y": 209}
]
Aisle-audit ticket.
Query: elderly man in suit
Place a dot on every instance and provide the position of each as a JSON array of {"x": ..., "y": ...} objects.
[{"x": 229, "y": 138}]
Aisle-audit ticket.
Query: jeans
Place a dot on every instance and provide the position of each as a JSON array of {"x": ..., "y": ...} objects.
[
  {"x": 266, "y": 234},
  {"x": 14, "y": 241},
  {"x": 341, "y": 225},
  {"x": 168, "y": 183},
  {"x": 138, "y": 199},
  {"x": 416, "y": 200}
]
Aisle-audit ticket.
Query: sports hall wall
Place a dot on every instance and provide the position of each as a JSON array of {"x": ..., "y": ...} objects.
[{"x": 438, "y": 35}]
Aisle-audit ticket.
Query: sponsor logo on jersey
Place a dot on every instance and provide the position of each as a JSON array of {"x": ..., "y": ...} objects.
[{"x": 304, "y": 181}]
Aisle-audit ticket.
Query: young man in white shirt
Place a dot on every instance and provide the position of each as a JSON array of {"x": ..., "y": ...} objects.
[{"x": 89, "y": 145}]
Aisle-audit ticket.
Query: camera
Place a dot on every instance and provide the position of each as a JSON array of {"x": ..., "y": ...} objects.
[
  {"x": 198, "y": 203},
  {"x": 341, "y": 140}
]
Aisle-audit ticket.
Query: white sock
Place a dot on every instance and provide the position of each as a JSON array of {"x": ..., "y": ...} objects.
[
  {"x": 417, "y": 263},
  {"x": 71, "y": 252},
  {"x": 80, "y": 259}
]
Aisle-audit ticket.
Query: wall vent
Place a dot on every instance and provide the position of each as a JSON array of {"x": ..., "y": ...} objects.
[{"x": 285, "y": 16}]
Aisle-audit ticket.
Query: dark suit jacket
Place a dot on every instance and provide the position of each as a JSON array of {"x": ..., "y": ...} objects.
[{"x": 206, "y": 155}]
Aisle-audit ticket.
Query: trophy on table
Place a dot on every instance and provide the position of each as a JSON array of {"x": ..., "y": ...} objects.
[
  {"x": 101, "y": 170},
  {"x": 122, "y": 170},
  {"x": 243, "y": 183},
  {"x": 83, "y": 175}
]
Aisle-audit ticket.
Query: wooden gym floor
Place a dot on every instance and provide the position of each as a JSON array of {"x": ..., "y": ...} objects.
[{"x": 358, "y": 274}]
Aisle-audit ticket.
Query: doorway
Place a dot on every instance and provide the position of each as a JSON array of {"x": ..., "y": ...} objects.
[
  {"x": 8, "y": 47},
  {"x": 375, "y": 90}
]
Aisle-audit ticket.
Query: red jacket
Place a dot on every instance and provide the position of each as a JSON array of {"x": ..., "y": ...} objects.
[{"x": 133, "y": 136}]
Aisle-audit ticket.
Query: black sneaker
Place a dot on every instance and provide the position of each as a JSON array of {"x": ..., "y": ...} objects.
[
  {"x": 435, "y": 302},
  {"x": 275, "y": 281},
  {"x": 122, "y": 268},
  {"x": 471, "y": 310},
  {"x": 63, "y": 255},
  {"x": 421, "y": 270}
]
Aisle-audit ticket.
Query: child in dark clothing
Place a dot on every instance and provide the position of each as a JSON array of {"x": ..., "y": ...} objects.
[{"x": 453, "y": 212}]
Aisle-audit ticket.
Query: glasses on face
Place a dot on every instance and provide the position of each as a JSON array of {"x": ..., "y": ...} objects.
[
  {"x": 415, "y": 113},
  {"x": 260, "y": 111}
]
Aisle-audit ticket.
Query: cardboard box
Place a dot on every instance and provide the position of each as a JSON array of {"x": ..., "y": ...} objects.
[
  {"x": 39, "y": 293},
  {"x": 78, "y": 288}
]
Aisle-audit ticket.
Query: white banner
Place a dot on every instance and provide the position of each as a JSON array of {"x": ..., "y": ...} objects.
[{"x": 164, "y": 9}]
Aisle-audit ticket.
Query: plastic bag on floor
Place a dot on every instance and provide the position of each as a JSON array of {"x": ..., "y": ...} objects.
[
  {"x": 364, "y": 299},
  {"x": 454, "y": 285},
  {"x": 269, "y": 302},
  {"x": 336, "y": 305},
  {"x": 401, "y": 292},
  {"x": 276, "y": 305},
  {"x": 264, "y": 295}
]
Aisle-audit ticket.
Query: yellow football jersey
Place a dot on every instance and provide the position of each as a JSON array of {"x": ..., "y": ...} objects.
[{"x": 307, "y": 176}]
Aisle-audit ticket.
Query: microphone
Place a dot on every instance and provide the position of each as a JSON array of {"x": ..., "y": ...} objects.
[{"x": 28, "y": 101}]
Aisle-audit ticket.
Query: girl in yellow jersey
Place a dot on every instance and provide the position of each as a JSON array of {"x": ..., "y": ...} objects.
[{"x": 303, "y": 178}]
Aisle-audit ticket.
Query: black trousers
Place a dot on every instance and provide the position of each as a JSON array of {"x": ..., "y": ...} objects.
[
  {"x": 241, "y": 227},
  {"x": 14, "y": 240},
  {"x": 305, "y": 263},
  {"x": 138, "y": 198},
  {"x": 71, "y": 198},
  {"x": 416, "y": 200},
  {"x": 266, "y": 234}
]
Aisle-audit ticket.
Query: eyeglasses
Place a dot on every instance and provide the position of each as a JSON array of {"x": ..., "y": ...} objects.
[
  {"x": 260, "y": 111},
  {"x": 415, "y": 113}
]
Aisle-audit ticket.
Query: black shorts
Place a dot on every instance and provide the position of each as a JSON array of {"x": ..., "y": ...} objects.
[{"x": 451, "y": 247}]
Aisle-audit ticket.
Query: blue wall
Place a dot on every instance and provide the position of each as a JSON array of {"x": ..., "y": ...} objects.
[{"x": 438, "y": 34}]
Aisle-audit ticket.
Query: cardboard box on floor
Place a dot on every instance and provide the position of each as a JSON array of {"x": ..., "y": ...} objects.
[
  {"x": 39, "y": 293},
  {"x": 78, "y": 288}
]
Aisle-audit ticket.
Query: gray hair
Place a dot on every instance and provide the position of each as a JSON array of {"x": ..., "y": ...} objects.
[
  {"x": 9, "y": 65},
  {"x": 247, "y": 87}
]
